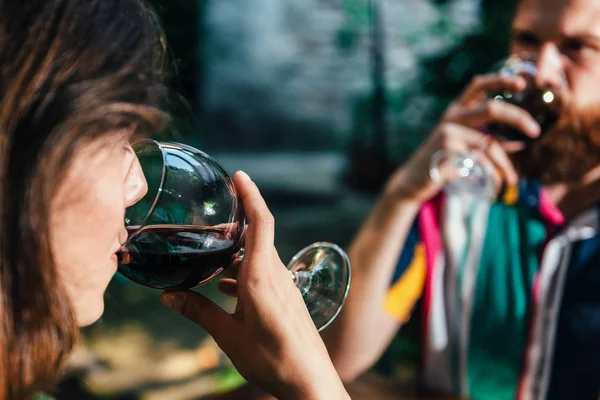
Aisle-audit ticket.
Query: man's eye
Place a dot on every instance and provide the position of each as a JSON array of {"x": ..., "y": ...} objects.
[
  {"x": 526, "y": 39},
  {"x": 573, "y": 46}
]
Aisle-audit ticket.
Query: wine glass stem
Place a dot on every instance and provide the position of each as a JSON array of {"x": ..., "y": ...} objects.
[{"x": 302, "y": 280}]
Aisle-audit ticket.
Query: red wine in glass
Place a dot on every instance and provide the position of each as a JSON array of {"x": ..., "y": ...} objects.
[
  {"x": 544, "y": 105},
  {"x": 177, "y": 256},
  {"x": 189, "y": 227},
  {"x": 543, "y": 100}
]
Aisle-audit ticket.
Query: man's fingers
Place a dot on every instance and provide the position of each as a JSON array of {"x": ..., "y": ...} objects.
[
  {"x": 454, "y": 135},
  {"x": 497, "y": 154},
  {"x": 496, "y": 111},
  {"x": 493, "y": 169},
  {"x": 457, "y": 137},
  {"x": 199, "y": 309},
  {"x": 484, "y": 84}
]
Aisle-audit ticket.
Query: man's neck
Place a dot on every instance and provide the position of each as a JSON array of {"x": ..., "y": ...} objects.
[{"x": 573, "y": 198}]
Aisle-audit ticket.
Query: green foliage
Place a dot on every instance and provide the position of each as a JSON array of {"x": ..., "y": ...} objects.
[
  {"x": 413, "y": 111},
  {"x": 357, "y": 18},
  {"x": 229, "y": 379},
  {"x": 440, "y": 76}
]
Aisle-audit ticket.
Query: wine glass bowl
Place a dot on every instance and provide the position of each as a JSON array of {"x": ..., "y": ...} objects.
[
  {"x": 544, "y": 100},
  {"x": 189, "y": 228}
]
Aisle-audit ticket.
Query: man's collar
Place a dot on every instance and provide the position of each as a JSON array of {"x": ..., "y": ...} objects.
[{"x": 532, "y": 195}]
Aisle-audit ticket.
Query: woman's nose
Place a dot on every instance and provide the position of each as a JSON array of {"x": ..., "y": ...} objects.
[{"x": 136, "y": 186}]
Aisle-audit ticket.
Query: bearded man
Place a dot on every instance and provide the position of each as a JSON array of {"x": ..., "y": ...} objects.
[{"x": 507, "y": 291}]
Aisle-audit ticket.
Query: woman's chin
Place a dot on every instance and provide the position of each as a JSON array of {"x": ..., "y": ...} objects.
[{"x": 90, "y": 314}]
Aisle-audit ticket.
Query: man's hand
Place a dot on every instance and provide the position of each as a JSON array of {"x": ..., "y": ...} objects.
[{"x": 459, "y": 131}]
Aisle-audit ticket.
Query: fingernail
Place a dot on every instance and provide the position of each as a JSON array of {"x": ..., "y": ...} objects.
[
  {"x": 522, "y": 82},
  {"x": 244, "y": 175},
  {"x": 535, "y": 129},
  {"x": 174, "y": 300}
]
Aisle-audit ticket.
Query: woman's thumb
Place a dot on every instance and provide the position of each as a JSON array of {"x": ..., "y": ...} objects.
[{"x": 201, "y": 310}]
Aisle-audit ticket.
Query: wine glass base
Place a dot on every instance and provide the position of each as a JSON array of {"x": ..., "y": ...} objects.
[{"x": 321, "y": 272}]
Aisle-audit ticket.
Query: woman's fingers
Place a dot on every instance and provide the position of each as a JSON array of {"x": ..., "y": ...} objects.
[
  {"x": 204, "y": 312},
  {"x": 233, "y": 270},
  {"x": 228, "y": 287},
  {"x": 261, "y": 226},
  {"x": 261, "y": 273}
]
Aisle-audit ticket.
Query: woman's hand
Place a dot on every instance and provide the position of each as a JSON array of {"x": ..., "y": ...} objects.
[{"x": 270, "y": 338}]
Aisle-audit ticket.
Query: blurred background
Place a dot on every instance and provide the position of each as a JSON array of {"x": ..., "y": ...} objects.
[{"x": 318, "y": 101}]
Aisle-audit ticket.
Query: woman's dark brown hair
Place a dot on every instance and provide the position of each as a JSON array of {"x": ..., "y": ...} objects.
[{"x": 71, "y": 71}]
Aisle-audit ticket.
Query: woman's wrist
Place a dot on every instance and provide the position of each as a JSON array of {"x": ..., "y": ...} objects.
[
  {"x": 330, "y": 392},
  {"x": 320, "y": 387}
]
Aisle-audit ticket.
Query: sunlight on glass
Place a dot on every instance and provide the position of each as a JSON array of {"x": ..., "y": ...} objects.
[
  {"x": 548, "y": 97},
  {"x": 209, "y": 208}
]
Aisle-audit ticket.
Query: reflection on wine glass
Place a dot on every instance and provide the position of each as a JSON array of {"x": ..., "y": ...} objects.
[
  {"x": 467, "y": 176},
  {"x": 544, "y": 100},
  {"x": 189, "y": 228}
]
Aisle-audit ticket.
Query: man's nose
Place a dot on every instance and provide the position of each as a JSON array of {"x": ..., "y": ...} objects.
[{"x": 550, "y": 70}]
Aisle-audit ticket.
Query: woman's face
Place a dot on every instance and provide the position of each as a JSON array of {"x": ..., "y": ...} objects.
[{"x": 86, "y": 220}]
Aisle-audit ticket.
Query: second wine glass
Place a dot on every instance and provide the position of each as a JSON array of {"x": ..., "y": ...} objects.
[{"x": 544, "y": 100}]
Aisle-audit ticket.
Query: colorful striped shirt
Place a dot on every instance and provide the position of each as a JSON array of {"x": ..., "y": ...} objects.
[{"x": 506, "y": 297}]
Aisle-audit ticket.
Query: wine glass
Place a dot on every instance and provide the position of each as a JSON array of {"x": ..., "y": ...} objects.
[
  {"x": 543, "y": 100},
  {"x": 189, "y": 228}
]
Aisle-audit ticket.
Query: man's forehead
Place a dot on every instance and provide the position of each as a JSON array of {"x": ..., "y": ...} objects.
[{"x": 554, "y": 18}]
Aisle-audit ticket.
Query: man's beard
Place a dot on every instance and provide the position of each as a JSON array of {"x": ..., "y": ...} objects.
[{"x": 566, "y": 152}]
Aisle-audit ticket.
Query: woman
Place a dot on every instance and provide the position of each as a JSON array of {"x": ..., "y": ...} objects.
[{"x": 78, "y": 79}]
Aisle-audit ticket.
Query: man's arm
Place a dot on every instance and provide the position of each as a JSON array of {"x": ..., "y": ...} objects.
[{"x": 363, "y": 330}]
